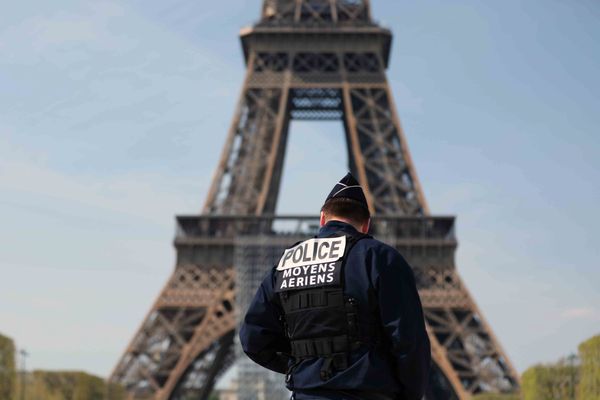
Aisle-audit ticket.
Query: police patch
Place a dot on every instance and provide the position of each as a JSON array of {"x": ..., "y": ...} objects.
[{"x": 312, "y": 263}]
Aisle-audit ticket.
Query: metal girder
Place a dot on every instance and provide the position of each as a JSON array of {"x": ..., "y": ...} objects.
[
  {"x": 315, "y": 12},
  {"x": 473, "y": 353},
  {"x": 201, "y": 374},
  {"x": 380, "y": 154},
  {"x": 189, "y": 322},
  {"x": 253, "y": 149},
  {"x": 315, "y": 85}
]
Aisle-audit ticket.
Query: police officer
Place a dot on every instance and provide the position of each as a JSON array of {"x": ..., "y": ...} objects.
[{"x": 340, "y": 314}]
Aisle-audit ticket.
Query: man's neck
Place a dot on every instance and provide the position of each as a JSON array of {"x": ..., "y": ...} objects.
[{"x": 344, "y": 220}]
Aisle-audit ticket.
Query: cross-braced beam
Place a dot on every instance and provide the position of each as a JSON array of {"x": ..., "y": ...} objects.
[{"x": 316, "y": 12}]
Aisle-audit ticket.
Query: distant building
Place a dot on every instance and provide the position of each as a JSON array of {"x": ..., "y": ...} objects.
[
  {"x": 227, "y": 394},
  {"x": 258, "y": 391}
]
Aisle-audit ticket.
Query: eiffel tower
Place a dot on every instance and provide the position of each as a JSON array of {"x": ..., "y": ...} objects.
[{"x": 306, "y": 60}]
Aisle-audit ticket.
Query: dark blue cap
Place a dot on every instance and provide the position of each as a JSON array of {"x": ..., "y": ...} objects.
[{"x": 349, "y": 188}]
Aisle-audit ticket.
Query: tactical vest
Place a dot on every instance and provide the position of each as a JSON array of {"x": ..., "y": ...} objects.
[{"x": 319, "y": 319}]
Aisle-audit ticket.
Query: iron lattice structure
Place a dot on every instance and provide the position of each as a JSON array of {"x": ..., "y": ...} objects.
[{"x": 311, "y": 60}]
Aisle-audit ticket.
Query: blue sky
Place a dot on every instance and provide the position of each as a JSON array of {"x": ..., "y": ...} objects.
[{"x": 113, "y": 116}]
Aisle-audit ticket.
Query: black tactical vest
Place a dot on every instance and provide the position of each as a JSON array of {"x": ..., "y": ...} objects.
[{"x": 320, "y": 320}]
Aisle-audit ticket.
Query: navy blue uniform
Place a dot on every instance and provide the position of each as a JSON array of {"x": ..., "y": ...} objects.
[{"x": 382, "y": 282}]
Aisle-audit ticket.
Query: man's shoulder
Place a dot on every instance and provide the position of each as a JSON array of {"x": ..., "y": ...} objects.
[
  {"x": 377, "y": 245},
  {"x": 381, "y": 255}
]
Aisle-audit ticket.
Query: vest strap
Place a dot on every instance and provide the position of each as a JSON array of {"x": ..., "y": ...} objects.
[
  {"x": 313, "y": 298},
  {"x": 319, "y": 347},
  {"x": 333, "y": 350}
]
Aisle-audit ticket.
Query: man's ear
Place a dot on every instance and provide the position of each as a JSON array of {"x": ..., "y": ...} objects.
[
  {"x": 365, "y": 226},
  {"x": 322, "y": 220}
]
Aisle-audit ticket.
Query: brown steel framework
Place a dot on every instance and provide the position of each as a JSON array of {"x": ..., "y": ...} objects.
[{"x": 312, "y": 60}]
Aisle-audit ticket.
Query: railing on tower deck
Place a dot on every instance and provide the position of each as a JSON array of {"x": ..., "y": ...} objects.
[
  {"x": 230, "y": 226},
  {"x": 315, "y": 13}
]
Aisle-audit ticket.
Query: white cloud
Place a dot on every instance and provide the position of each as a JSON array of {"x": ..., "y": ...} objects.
[{"x": 579, "y": 313}]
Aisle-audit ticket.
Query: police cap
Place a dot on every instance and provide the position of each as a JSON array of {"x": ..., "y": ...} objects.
[{"x": 349, "y": 188}]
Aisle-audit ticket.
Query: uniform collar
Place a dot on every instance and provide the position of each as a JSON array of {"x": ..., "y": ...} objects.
[{"x": 334, "y": 226}]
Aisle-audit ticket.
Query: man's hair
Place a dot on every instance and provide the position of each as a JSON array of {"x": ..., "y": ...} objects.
[{"x": 346, "y": 208}]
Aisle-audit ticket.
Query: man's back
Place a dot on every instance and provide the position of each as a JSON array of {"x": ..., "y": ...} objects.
[{"x": 393, "y": 356}]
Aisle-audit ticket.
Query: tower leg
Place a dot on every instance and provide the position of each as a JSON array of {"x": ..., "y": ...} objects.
[
  {"x": 379, "y": 153},
  {"x": 471, "y": 350},
  {"x": 188, "y": 330},
  {"x": 247, "y": 179}
]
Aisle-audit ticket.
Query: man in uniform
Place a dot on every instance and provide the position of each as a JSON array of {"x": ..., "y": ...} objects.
[{"x": 340, "y": 314}]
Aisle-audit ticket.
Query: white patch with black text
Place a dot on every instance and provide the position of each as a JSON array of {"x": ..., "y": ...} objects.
[{"x": 312, "y": 263}]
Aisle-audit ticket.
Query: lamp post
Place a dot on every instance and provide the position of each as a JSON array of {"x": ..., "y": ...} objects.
[
  {"x": 572, "y": 358},
  {"x": 24, "y": 355}
]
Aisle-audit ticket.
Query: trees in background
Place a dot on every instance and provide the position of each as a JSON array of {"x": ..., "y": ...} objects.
[
  {"x": 8, "y": 372},
  {"x": 573, "y": 378},
  {"x": 70, "y": 385},
  {"x": 51, "y": 385},
  {"x": 557, "y": 381},
  {"x": 589, "y": 381}
]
